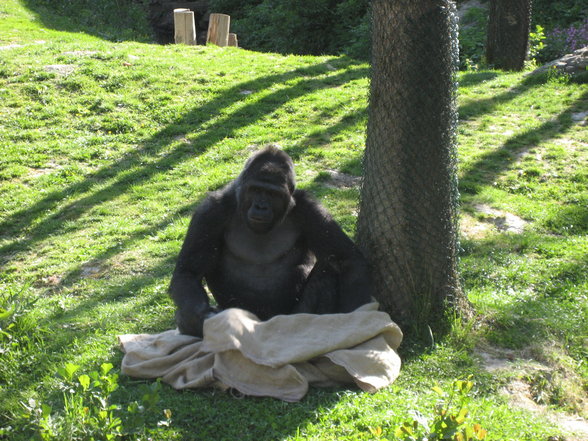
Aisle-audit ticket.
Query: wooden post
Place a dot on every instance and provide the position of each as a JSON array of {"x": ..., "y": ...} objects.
[
  {"x": 218, "y": 29},
  {"x": 184, "y": 27},
  {"x": 233, "y": 40}
]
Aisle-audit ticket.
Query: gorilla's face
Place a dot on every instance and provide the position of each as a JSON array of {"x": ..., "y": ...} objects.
[
  {"x": 264, "y": 190},
  {"x": 264, "y": 205}
]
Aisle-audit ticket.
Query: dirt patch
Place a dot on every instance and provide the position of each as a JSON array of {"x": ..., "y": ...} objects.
[
  {"x": 519, "y": 390},
  {"x": 502, "y": 220},
  {"x": 49, "y": 168},
  {"x": 471, "y": 228},
  {"x": 520, "y": 395},
  {"x": 580, "y": 118},
  {"x": 92, "y": 270},
  {"x": 53, "y": 280},
  {"x": 81, "y": 53},
  {"x": 342, "y": 180},
  {"x": 10, "y": 46},
  {"x": 474, "y": 228},
  {"x": 60, "y": 69}
]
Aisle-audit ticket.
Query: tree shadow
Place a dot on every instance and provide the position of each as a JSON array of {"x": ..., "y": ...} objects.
[
  {"x": 486, "y": 169},
  {"x": 473, "y": 78},
  {"x": 72, "y": 329},
  {"x": 39, "y": 225},
  {"x": 475, "y": 108},
  {"x": 550, "y": 311},
  {"x": 111, "y": 20},
  {"x": 213, "y": 415}
]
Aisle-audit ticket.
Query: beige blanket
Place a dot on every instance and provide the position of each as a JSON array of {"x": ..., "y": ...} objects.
[{"x": 276, "y": 358}]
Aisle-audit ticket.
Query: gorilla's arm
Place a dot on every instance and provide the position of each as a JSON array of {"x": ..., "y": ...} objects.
[
  {"x": 199, "y": 254},
  {"x": 333, "y": 247}
]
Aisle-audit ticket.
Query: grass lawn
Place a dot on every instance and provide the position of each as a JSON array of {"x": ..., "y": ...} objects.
[{"x": 107, "y": 147}]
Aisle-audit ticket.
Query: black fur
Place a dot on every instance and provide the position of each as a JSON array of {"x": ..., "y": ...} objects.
[{"x": 265, "y": 247}]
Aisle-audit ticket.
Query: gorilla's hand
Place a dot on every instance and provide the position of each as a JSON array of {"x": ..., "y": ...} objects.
[{"x": 190, "y": 321}]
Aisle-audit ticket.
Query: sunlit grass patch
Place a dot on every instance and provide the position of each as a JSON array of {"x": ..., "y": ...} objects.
[{"x": 103, "y": 162}]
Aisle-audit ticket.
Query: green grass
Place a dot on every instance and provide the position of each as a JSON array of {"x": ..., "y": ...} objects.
[{"x": 102, "y": 162}]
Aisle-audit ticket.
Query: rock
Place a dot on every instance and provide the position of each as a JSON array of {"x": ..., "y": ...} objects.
[{"x": 573, "y": 63}]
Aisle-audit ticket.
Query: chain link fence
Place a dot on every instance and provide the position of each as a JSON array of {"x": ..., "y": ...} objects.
[{"x": 407, "y": 225}]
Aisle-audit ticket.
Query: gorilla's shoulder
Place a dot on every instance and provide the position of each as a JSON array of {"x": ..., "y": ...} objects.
[
  {"x": 303, "y": 196},
  {"x": 307, "y": 207},
  {"x": 223, "y": 199}
]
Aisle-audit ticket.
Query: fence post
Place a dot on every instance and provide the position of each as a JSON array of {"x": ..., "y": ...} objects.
[
  {"x": 218, "y": 29},
  {"x": 184, "y": 27}
]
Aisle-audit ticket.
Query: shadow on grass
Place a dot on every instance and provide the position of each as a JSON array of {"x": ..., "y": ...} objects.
[
  {"x": 113, "y": 20},
  {"x": 476, "y": 108},
  {"x": 473, "y": 78},
  {"x": 489, "y": 166},
  {"x": 72, "y": 331},
  {"x": 552, "y": 309},
  {"x": 123, "y": 179}
]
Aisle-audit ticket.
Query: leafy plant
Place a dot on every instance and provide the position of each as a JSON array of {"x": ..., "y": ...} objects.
[
  {"x": 472, "y": 38},
  {"x": 88, "y": 412},
  {"x": 13, "y": 309},
  {"x": 536, "y": 42},
  {"x": 449, "y": 421}
]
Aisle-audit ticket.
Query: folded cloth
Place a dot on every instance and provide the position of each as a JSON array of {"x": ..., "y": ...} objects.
[{"x": 278, "y": 358}]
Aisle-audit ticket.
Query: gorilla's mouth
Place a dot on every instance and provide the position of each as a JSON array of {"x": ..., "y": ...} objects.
[
  {"x": 259, "y": 225},
  {"x": 260, "y": 219}
]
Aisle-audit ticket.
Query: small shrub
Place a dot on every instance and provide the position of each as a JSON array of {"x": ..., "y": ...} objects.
[
  {"x": 472, "y": 38},
  {"x": 449, "y": 421},
  {"x": 536, "y": 42},
  {"x": 87, "y": 411},
  {"x": 15, "y": 325}
]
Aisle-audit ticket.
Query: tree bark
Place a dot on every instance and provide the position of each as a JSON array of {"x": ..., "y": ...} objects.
[
  {"x": 407, "y": 224},
  {"x": 508, "y": 33}
]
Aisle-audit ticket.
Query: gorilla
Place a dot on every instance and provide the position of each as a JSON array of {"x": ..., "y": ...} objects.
[{"x": 266, "y": 247}]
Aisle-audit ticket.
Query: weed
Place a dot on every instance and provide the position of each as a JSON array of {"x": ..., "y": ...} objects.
[
  {"x": 536, "y": 42},
  {"x": 557, "y": 76},
  {"x": 87, "y": 410},
  {"x": 449, "y": 421}
]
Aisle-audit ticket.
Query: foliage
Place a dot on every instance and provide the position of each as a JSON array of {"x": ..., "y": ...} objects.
[
  {"x": 449, "y": 421},
  {"x": 19, "y": 332},
  {"x": 14, "y": 307},
  {"x": 536, "y": 42},
  {"x": 88, "y": 412},
  {"x": 558, "y": 13},
  {"x": 560, "y": 41},
  {"x": 110, "y": 19},
  {"x": 472, "y": 38},
  {"x": 300, "y": 26}
]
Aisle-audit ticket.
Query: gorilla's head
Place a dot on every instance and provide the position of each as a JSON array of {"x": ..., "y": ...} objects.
[{"x": 264, "y": 189}]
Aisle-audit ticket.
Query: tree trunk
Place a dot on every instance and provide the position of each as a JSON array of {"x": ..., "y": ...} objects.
[
  {"x": 407, "y": 225},
  {"x": 508, "y": 33}
]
